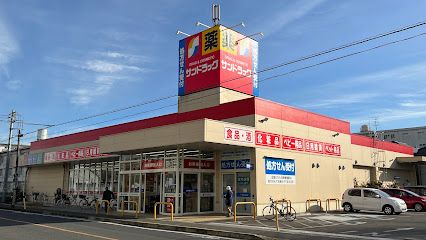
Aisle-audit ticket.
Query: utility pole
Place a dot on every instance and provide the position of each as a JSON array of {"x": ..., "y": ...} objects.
[
  {"x": 12, "y": 119},
  {"x": 15, "y": 176}
]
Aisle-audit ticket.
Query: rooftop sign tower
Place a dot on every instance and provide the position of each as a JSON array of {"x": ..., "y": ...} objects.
[{"x": 218, "y": 57}]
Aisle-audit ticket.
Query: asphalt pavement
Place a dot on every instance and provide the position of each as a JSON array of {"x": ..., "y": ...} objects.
[
  {"x": 29, "y": 226},
  {"x": 364, "y": 225}
]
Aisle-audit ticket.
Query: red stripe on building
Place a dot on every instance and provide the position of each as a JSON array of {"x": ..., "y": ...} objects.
[
  {"x": 224, "y": 111},
  {"x": 286, "y": 113},
  {"x": 384, "y": 145}
]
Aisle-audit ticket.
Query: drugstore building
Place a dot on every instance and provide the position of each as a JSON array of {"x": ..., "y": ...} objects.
[{"x": 223, "y": 134}]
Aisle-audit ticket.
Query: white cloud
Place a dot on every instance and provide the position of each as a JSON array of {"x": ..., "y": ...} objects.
[
  {"x": 283, "y": 18},
  {"x": 341, "y": 100},
  {"x": 85, "y": 94},
  {"x": 8, "y": 45},
  {"x": 108, "y": 67},
  {"x": 390, "y": 115},
  {"x": 414, "y": 73},
  {"x": 97, "y": 65},
  {"x": 413, "y": 104},
  {"x": 13, "y": 84},
  {"x": 94, "y": 75},
  {"x": 127, "y": 57}
]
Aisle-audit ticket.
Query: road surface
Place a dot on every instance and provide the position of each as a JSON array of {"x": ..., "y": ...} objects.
[{"x": 30, "y": 226}]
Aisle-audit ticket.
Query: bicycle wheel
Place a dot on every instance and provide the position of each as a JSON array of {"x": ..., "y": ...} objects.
[
  {"x": 289, "y": 213},
  {"x": 83, "y": 202},
  {"x": 92, "y": 203},
  {"x": 269, "y": 212},
  {"x": 113, "y": 204}
]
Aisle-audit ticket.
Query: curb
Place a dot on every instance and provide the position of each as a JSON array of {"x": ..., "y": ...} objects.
[{"x": 196, "y": 230}]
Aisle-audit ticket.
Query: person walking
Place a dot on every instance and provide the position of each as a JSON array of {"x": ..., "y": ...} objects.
[
  {"x": 229, "y": 200},
  {"x": 107, "y": 195}
]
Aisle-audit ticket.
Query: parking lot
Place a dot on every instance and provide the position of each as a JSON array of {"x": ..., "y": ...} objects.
[{"x": 409, "y": 225}]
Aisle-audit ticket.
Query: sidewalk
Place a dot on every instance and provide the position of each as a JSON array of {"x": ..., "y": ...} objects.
[{"x": 192, "y": 224}]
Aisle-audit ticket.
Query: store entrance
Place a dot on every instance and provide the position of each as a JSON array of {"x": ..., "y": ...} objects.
[
  {"x": 152, "y": 191},
  {"x": 190, "y": 192}
]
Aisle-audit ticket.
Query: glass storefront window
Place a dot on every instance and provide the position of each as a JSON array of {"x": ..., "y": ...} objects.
[
  {"x": 125, "y": 166},
  {"x": 124, "y": 183},
  {"x": 207, "y": 192},
  {"x": 243, "y": 184},
  {"x": 135, "y": 182},
  {"x": 115, "y": 177},
  {"x": 207, "y": 182},
  {"x": 169, "y": 182},
  {"x": 136, "y": 165}
]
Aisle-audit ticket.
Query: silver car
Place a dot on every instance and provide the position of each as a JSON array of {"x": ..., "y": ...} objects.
[{"x": 371, "y": 199}]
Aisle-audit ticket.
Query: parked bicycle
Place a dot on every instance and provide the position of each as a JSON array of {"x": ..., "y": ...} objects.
[
  {"x": 284, "y": 210},
  {"x": 84, "y": 202}
]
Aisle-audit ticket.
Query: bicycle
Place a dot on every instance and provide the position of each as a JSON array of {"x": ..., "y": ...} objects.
[
  {"x": 84, "y": 202},
  {"x": 284, "y": 211}
]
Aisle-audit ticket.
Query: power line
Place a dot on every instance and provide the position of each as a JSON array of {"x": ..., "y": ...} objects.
[
  {"x": 266, "y": 79},
  {"x": 317, "y": 54}
]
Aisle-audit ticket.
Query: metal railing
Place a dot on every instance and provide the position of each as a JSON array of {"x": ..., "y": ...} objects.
[
  {"x": 135, "y": 205},
  {"x": 244, "y": 203},
  {"x": 98, "y": 203},
  {"x": 164, "y": 203},
  {"x": 308, "y": 203},
  {"x": 327, "y": 203}
]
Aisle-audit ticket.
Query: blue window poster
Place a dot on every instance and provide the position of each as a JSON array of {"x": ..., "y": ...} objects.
[{"x": 280, "y": 171}]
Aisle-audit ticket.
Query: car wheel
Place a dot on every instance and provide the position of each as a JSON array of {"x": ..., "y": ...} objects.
[
  {"x": 347, "y": 207},
  {"x": 388, "y": 210},
  {"x": 418, "y": 207}
]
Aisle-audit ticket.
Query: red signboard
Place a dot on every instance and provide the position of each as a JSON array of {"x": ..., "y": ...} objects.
[
  {"x": 197, "y": 164},
  {"x": 218, "y": 56},
  {"x": 268, "y": 139},
  {"x": 314, "y": 146},
  {"x": 239, "y": 135},
  {"x": 332, "y": 149},
  {"x": 168, "y": 206},
  {"x": 293, "y": 143},
  {"x": 152, "y": 164},
  {"x": 73, "y": 154}
]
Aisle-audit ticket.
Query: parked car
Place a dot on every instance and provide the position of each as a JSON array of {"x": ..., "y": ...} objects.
[
  {"x": 420, "y": 190},
  {"x": 413, "y": 200},
  {"x": 371, "y": 199}
]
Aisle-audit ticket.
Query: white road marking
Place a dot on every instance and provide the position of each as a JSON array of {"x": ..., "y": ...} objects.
[
  {"x": 310, "y": 220},
  {"x": 306, "y": 225},
  {"x": 311, "y": 233},
  {"x": 399, "y": 229},
  {"x": 168, "y": 231},
  {"x": 352, "y": 231},
  {"x": 152, "y": 229}
]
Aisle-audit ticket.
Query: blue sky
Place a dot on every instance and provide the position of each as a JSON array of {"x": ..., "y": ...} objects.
[{"x": 61, "y": 60}]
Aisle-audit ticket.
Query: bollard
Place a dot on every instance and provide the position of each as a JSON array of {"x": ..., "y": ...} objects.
[
  {"x": 308, "y": 203},
  {"x": 327, "y": 203},
  {"x": 98, "y": 204},
  {"x": 243, "y": 203},
  {"x": 163, "y": 203},
  {"x": 136, "y": 205}
]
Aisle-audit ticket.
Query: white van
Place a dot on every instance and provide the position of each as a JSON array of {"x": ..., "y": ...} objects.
[{"x": 371, "y": 199}]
